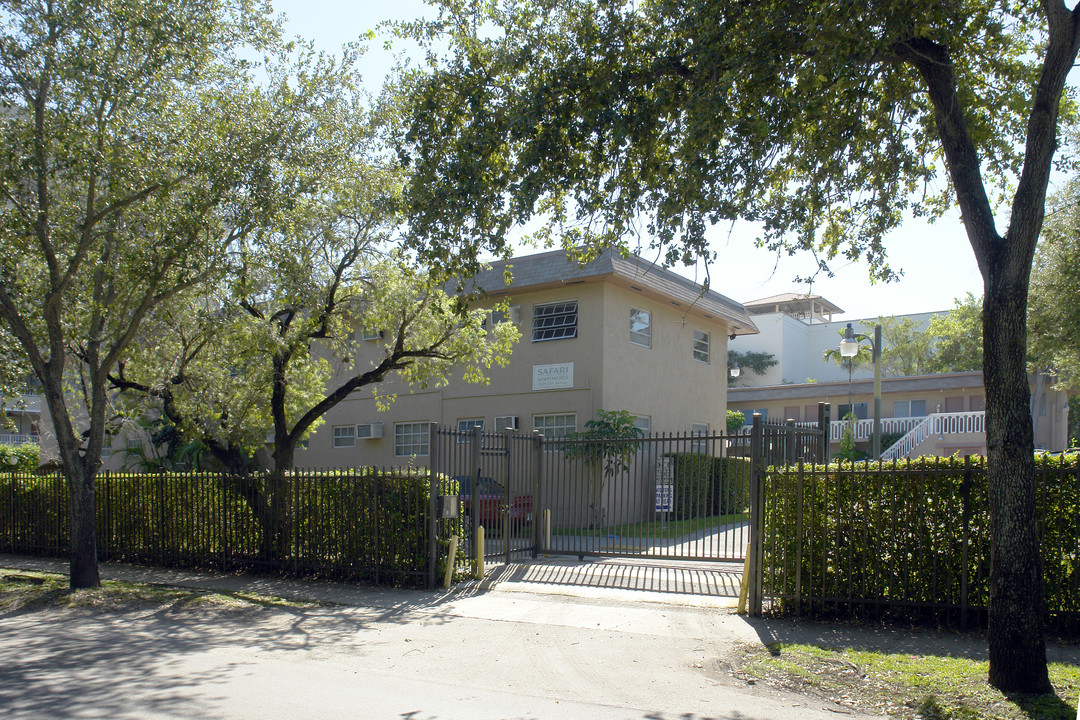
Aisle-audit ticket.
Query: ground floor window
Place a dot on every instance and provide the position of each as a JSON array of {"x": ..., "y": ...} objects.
[
  {"x": 555, "y": 426},
  {"x": 344, "y": 436},
  {"x": 411, "y": 439}
]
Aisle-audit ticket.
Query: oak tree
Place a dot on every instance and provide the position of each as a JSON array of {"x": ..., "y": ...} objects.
[{"x": 822, "y": 122}]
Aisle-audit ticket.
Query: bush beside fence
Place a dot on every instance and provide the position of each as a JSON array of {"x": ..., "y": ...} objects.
[
  {"x": 369, "y": 526},
  {"x": 907, "y": 540},
  {"x": 707, "y": 485}
]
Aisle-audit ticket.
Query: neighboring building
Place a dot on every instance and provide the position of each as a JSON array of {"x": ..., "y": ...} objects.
[
  {"x": 796, "y": 330},
  {"x": 616, "y": 334},
  {"x": 926, "y": 414}
]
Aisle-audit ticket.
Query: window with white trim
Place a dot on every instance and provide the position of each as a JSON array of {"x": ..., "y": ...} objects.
[
  {"x": 344, "y": 436},
  {"x": 701, "y": 346},
  {"x": 464, "y": 428},
  {"x": 411, "y": 439},
  {"x": 555, "y": 321},
  {"x": 644, "y": 424},
  {"x": 640, "y": 327},
  {"x": 699, "y": 446},
  {"x": 555, "y": 426}
]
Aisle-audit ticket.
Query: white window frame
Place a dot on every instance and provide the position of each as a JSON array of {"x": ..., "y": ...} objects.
[
  {"x": 344, "y": 436},
  {"x": 558, "y": 321},
  {"x": 412, "y": 439},
  {"x": 467, "y": 424},
  {"x": 546, "y": 422},
  {"x": 641, "y": 337},
  {"x": 699, "y": 446},
  {"x": 702, "y": 347}
]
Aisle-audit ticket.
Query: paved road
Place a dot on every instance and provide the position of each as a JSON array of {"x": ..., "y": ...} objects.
[{"x": 494, "y": 650}]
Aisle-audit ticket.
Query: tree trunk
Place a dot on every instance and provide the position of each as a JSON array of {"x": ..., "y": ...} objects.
[
  {"x": 1016, "y": 627},
  {"x": 80, "y": 477}
]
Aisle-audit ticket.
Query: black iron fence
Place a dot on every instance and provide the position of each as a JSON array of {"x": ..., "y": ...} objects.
[
  {"x": 370, "y": 525},
  {"x": 665, "y": 496},
  {"x": 906, "y": 540}
]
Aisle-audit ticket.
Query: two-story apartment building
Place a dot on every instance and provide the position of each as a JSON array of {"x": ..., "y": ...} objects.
[{"x": 615, "y": 334}]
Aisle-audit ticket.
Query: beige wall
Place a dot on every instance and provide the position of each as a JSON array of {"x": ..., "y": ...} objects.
[{"x": 663, "y": 382}]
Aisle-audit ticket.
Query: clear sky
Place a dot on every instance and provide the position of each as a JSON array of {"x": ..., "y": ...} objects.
[{"x": 937, "y": 260}]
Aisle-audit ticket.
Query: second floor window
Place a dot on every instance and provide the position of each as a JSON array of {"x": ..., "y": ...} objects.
[
  {"x": 640, "y": 327},
  {"x": 555, "y": 321},
  {"x": 701, "y": 346}
]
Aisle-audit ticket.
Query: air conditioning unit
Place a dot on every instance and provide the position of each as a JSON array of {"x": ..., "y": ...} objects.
[
  {"x": 369, "y": 431},
  {"x": 506, "y": 422}
]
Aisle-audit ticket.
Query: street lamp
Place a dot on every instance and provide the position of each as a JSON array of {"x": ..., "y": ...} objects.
[
  {"x": 734, "y": 370},
  {"x": 849, "y": 347}
]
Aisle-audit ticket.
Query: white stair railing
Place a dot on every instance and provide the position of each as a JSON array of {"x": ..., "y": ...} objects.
[{"x": 940, "y": 424}]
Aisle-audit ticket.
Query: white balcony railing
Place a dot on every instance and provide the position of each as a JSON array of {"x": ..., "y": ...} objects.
[{"x": 16, "y": 439}]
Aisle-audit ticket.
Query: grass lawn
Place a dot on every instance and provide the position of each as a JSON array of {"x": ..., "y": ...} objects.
[
  {"x": 27, "y": 591},
  {"x": 929, "y": 687},
  {"x": 656, "y": 528}
]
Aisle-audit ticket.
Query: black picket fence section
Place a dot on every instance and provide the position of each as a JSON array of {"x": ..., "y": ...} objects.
[
  {"x": 906, "y": 541},
  {"x": 372, "y": 525}
]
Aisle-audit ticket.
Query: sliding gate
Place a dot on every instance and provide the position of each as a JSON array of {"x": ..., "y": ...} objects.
[{"x": 663, "y": 497}]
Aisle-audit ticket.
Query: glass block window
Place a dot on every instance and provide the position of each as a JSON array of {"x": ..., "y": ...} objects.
[
  {"x": 411, "y": 439},
  {"x": 701, "y": 346},
  {"x": 640, "y": 327},
  {"x": 344, "y": 436},
  {"x": 644, "y": 424},
  {"x": 555, "y": 426},
  {"x": 555, "y": 321}
]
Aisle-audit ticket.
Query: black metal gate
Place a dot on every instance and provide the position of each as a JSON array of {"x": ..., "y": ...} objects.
[
  {"x": 664, "y": 497},
  {"x": 497, "y": 476}
]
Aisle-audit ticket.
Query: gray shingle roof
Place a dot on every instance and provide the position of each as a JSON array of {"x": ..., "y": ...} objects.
[{"x": 554, "y": 268}]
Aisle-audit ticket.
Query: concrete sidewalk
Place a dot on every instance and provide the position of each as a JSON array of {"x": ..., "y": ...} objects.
[{"x": 702, "y": 584}]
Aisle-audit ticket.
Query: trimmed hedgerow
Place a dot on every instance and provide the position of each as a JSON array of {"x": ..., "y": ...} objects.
[{"x": 908, "y": 540}]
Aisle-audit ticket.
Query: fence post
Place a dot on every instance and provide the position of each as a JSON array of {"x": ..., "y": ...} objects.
[
  {"x": 537, "y": 511},
  {"x": 433, "y": 520},
  {"x": 790, "y": 442},
  {"x": 965, "y": 497},
  {"x": 507, "y": 530},
  {"x": 825, "y": 426},
  {"x": 756, "y": 490},
  {"x": 475, "y": 439}
]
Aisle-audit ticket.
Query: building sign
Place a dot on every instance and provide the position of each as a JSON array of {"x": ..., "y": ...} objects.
[
  {"x": 553, "y": 377},
  {"x": 665, "y": 483}
]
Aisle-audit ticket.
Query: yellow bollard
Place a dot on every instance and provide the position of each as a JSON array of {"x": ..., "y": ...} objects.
[
  {"x": 744, "y": 587},
  {"x": 451, "y": 562},
  {"x": 480, "y": 553},
  {"x": 547, "y": 528}
]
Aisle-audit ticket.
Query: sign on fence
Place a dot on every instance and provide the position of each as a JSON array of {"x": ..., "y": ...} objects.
[{"x": 665, "y": 483}]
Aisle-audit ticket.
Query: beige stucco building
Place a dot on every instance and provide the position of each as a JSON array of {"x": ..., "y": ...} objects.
[{"x": 616, "y": 334}]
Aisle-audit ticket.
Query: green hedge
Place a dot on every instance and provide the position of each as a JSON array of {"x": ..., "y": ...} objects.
[
  {"x": 911, "y": 540},
  {"x": 707, "y": 485},
  {"x": 369, "y": 525}
]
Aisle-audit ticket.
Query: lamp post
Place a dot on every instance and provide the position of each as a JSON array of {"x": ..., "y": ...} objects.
[
  {"x": 849, "y": 347},
  {"x": 734, "y": 370}
]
